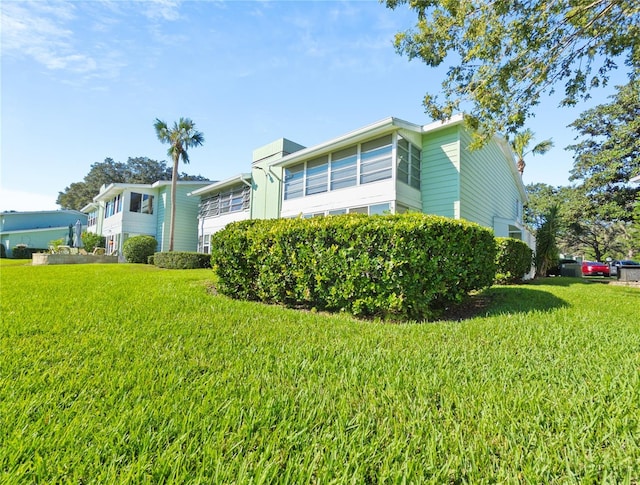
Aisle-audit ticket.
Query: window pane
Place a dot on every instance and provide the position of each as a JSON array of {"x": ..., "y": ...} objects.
[
  {"x": 380, "y": 209},
  {"x": 375, "y": 160},
  {"x": 337, "y": 212},
  {"x": 293, "y": 182},
  {"x": 344, "y": 168},
  {"x": 136, "y": 202},
  {"x": 359, "y": 210},
  {"x": 316, "y": 181},
  {"x": 147, "y": 204}
]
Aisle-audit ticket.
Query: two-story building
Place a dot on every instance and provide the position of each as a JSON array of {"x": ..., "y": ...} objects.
[
  {"x": 391, "y": 166},
  {"x": 123, "y": 210}
]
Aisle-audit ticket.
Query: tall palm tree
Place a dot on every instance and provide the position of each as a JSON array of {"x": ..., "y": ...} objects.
[
  {"x": 181, "y": 137},
  {"x": 520, "y": 144}
]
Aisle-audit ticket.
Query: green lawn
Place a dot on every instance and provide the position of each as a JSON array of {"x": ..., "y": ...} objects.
[{"x": 132, "y": 374}]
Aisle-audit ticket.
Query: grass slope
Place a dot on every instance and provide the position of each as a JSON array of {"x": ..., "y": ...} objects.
[{"x": 131, "y": 374}]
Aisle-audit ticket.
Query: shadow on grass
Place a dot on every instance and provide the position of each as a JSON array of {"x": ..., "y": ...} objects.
[{"x": 500, "y": 300}]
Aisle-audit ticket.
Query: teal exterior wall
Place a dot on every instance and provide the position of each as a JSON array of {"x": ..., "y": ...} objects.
[
  {"x": 487, "y": 186},
  {"x": 267, "y": 180},
  {"x": 440, "y": 172},
  {"x": 186, "y": 221}
]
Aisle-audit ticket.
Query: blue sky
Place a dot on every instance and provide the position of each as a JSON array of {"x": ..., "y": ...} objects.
[{"x": 85, "y": 80}]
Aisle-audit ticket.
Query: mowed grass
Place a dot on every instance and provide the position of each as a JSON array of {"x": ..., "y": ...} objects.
[{"x": 132, "y": 374}]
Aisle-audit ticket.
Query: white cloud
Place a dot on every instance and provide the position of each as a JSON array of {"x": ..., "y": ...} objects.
[
  {"x": 43, "y": 31},
  {"x": 163, "y": 10}
]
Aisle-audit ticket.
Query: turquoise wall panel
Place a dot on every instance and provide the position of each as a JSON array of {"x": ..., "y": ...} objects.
[
  {"x": 440, "y": 172},
  {"x": 488, "y": 188}
]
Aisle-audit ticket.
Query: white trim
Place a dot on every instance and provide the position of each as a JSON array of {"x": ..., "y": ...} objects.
[
  {"x": 222, "y": 184},
  {"x": 383, "y": 127}
]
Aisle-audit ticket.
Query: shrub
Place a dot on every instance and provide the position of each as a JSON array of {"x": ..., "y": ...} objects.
[
  {"x": 21, "y": 251},
  {"x": 91, "y": 240},
  {"x": 57, "y": 243},
  {"x": 181, "y": 260},
  {"x": 513, "y": 260},
  {"x": 137, "y": 249},
  {"x": 398, "y": 266}
]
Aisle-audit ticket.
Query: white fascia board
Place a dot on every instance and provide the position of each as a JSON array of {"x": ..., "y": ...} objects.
[
  {"x": 214, "y": 187},
  {"x": 90, "y": 207},
  {"x": 508, "y": 153},
  {"x": 635, "y": 180},
  {"x": 382, "y": 127},
  {"x": 112, "y": 190},
  {"x": 164, "y": 183},
  {"x": 440, "y": 125}
]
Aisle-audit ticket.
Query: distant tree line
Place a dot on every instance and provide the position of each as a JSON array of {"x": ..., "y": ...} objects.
[
  {"x": 598, "y": 216},
  {"x": 138, "y": 170}
]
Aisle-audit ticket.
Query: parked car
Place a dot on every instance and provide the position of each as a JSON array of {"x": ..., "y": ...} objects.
[
  {"x": 615, "y": 265},
  {"x": 593, "y": 268},
  {"x": 557, "y": 269}
]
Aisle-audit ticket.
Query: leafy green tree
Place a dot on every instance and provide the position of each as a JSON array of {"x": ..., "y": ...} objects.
[
  {"x": 138, "y": 170},
  {"x": 591, "y": 226},
  {"x": 608, "y": 153},
  {"x": 546, "y": 245},
  {"x": 520, "y": 145},
  {"x": 541, "y": 198},
  {"x": 504, "y": 55},
  {"x": 180, "y": 138}
]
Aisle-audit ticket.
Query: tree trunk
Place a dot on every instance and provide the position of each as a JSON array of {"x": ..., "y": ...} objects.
[
  {"x": 172, "y": 220},
  {"x": 521, "y": 166}
]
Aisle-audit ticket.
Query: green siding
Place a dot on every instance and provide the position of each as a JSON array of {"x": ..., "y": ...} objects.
[
  {"x": 162, "y": 230},
  {"x": 186, "y": 231},
  {"x": 487, "y": 184},
  {"x": 266, "y": 193},
  {"x": 440, "y": 172}
]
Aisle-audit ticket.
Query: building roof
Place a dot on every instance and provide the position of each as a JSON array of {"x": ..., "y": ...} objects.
[
  {"x": 217, "y": 186},
  {"x": 111, "y": 190},
  {"x": 382, "y": 127}
]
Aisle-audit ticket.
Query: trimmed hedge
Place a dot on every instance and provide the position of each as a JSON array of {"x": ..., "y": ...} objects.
[
  {"x": 137, "y": 249},
  {"x": 181, "y": 260},
  {"x": 513, "y": 261},
  {"x": 399, "y": 266}
]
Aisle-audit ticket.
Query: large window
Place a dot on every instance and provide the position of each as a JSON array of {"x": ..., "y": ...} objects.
[
  {"x": 340, "y": 169},
  {"x": 293, "y": 182},
  {"x": 235, "y": 199},
  {"x": 142, "y": 203},
  {"x": 113, "y": 206},
  {"x": 408, "y": 163},
  {"x": 375, "y": 160},
  {"x": 92, "y": 218},
  {"x": 316, "y": 176},
  {"x": 344, "y": 168}
]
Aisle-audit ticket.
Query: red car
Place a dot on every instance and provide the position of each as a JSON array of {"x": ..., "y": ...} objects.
[{"x": 591, "y": 268}]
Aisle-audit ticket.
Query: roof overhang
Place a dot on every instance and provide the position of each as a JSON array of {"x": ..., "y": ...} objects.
[
  {"x": 508, "y": 153},
  {"x": 635, "y": 180},
  {"x": 110, "y": 191},
  {"x": 217, "y": 186},
  {"x": 383, "y": 127}
]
